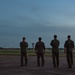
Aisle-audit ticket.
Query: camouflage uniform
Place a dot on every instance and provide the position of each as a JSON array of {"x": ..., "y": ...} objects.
[
  {"x": 69, "y": 45},
  {"x": 55, "y": 52},
  {"x": 40, "y": 49},
  {"x": 23, "y": 46}
]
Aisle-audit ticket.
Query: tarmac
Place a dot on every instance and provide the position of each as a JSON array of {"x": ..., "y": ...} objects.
[{"x": 10, "y": 65}]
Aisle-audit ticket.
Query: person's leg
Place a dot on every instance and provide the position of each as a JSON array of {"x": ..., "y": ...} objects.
[
  {"x": 26, "y": 59},
  {"x": 68, "y": 59},
  {"x": 57, "y": 58},
  {"x": 53, "y": 57},
  {"x": 38, "y": 60},
  {"x": 71, "y": 57},
  {"x": 21, "y": 59},
  {"x": 42, "y": 58}
]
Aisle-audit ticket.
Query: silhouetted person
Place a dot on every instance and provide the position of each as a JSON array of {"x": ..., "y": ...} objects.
[
  {"x": 23, "y": 46},
  {"x": 40, "y": 50},
  {"x": 68, "y": 49},
  {"x": 55, "y": 51}
]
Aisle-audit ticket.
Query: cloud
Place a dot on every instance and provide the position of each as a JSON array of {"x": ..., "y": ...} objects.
[
  {"x": 33, "y": 18},
  {"x": 33, "y": 31}
]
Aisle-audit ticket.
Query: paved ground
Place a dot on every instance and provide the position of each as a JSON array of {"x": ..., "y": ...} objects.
[{"x": 10, "y": 65}]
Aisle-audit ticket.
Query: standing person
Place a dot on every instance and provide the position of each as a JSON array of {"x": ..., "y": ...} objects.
[
  {"x": 68, "y": 49},
  {"x": 23, "y": 46},
  {"x": 40, "y": 50},
  {"x": 55, "y": 51}
]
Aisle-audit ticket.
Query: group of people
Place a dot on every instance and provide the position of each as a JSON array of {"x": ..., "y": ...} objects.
[{"x": 40, "y": 51}]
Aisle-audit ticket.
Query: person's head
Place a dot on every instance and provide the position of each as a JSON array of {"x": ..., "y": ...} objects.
[
  {"x": 40, "y": 38},
  {"x": 55, "y": 36},
  {"x": 68, "y": 37},
  {"x": 24, "y": 38}
]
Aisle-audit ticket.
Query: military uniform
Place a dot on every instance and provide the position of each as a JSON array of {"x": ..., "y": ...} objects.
[
  {"x": 23, "y": 46},
  {"x": 69, "y": 45},
  {"x": 55, "y": 52},
  {"x": 40, "y": 49}
]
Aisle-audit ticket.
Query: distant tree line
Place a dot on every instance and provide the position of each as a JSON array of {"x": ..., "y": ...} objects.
[{"x": 27, "y": 48}]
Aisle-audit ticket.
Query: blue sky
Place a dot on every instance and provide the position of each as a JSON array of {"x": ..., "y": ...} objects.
[{"x": 34, "y": 18}]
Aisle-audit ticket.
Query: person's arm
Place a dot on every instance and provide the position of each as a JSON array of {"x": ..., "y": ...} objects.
[
  {"x": 73, "y": 44},
  {"x": 44, "y": 47},
  {"x": 51, "y": 43},
  {"x": 20, "y": 44},
  {"x": 36, "y": 48},
  {"x": 65, "y": 47},
  {"x": 59, "y": 43},
  {"x": 73, "y": 47},
  {"x": 27, "y": 44}
]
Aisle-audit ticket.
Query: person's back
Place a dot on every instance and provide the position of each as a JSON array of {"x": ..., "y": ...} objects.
[
  {"x": 23, "y": 46},
  {"x": 69, "y": 44},
  {"x": 55, "y": 44},
  {"x": 40, "y": 47}
]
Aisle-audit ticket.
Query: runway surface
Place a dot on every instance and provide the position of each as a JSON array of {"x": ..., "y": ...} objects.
[{"x": 10, "y": 65}]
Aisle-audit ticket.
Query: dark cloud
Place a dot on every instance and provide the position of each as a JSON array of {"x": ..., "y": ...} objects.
[{"x": 14, "y": 33}]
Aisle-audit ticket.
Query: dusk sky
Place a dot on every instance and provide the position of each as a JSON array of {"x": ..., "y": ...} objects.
[{"x": 36, "y": 18}]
